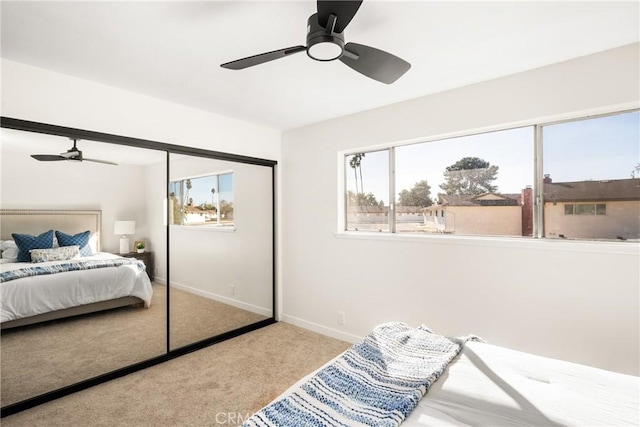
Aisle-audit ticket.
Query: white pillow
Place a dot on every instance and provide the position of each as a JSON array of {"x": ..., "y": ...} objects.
[
  {"x": 93, "y": 243},
  {"x": 9, "y": 250},
  {"x": 62, "y": 253}
]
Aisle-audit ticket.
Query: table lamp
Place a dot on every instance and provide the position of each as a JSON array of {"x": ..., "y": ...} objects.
[{"x": 124, "y": 229}]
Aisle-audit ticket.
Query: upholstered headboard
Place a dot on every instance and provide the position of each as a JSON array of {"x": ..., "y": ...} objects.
[{"x": 37, "y": 221}]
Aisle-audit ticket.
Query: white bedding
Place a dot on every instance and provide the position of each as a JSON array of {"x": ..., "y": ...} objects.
[
  {"x": 30, "y": 296},
  {"x": 487, "y": 385}
]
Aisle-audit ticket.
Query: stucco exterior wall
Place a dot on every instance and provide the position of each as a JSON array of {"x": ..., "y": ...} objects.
[{"x": 622, "y": 219}]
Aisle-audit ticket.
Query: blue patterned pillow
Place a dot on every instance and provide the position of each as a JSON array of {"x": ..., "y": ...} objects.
[
  {"x": 26, "y": 242},
  {"x": 80, "y": 239}
]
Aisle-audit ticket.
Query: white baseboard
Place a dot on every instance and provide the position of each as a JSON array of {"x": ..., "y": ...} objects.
[
  {"x": 315, "y": 327},
  {"x": 160, "y": 281},
  {"x": 225, "y": 300}
]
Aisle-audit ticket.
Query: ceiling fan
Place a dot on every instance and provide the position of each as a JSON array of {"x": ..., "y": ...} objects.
[
  {"x": 71, "y": 154},
  {"x": 325, "y": 42}
]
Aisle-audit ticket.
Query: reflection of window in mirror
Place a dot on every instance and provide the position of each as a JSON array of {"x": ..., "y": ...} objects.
[{"x": 202, "y": 200}]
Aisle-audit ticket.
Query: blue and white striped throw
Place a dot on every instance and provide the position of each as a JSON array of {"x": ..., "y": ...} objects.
[
  {"x": 377, "y": 382},
  {"x": 39, "y": 270}
]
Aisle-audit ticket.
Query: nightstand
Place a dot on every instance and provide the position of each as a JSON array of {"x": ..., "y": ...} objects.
[{"x": 147, "y": 258}]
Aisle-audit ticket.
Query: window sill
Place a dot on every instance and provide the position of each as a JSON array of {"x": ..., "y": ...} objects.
[
  {"x": 206, "y": 228},
  {"x": 622, "y": 248}
]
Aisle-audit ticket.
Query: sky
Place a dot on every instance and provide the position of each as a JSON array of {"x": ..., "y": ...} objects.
[{"x": 595, "y": 149}]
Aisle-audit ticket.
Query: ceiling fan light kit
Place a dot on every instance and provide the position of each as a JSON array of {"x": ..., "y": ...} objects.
[{"x": 325, "y": 42}]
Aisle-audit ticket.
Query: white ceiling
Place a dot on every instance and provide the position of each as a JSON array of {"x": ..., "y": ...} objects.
[{"x": 173, "y": 50}]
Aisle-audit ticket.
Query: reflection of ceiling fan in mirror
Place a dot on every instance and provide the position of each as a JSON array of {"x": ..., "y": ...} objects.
[{"x": 71, "y": 154}]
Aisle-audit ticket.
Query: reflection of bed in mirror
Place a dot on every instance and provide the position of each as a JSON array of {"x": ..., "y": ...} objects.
[{"x": 72, "y": 285}]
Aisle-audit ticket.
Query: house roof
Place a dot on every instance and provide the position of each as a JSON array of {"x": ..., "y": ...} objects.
[
  {"x": 593, "y": 191},
  {"x": 486, "y": 199}
]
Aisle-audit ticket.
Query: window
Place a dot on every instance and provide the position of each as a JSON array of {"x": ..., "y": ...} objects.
[
  {"x": 577, "y": 180},
  {"x": 586, "y": 209},
  {"x": 474, "y": 184},
  {"x": 202, "y": 201},
  {"x": 367, "y": 191},
  {"x": 591, "y": 178}
]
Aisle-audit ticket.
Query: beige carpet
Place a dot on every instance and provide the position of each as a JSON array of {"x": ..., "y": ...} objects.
[
  {"x": 42, "y": 358},
  {"x": 216, "y": 386},
  {"x": 194, "y": 318}
]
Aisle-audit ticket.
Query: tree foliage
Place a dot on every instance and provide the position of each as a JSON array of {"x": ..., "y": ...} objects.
[
  {"x": 419, "y": 195},
  {"x": 470, "y": 175},
  {"x": 226, "y": 209},
  {"x": 176, "y": 209}
]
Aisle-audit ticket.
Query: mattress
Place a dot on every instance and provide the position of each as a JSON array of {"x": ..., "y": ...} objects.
[
  {"x": 35, "y": 295},
  {"x": 488, "y": 385}
]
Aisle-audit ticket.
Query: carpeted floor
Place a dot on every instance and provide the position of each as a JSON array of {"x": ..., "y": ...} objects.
[
  {"x": 41, "y": 358},
  {"x": 217, "y": 386}
]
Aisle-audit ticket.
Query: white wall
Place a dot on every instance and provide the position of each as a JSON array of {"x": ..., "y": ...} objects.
[
  {"x": 40, "y": 95},
  {"x": 569, "y": 300}
]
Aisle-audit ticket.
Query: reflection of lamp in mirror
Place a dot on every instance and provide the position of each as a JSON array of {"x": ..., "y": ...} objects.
[{"x": 124, "y": 229}]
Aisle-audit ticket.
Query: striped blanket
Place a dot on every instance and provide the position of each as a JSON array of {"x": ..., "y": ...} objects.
[
  {"x": 40, "y": 270},
  {"x": 377, "y": 382}
]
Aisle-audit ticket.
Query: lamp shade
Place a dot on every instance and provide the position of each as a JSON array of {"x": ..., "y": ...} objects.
[{"x": 124, "y": 227}]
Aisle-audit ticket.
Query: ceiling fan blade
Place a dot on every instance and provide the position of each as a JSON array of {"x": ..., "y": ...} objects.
[
  {"x": 262, "y": 58},
  {"x": 106, "y": 162},
  {"x": 343, "y": 10},
  {"x": 48, "y": 157},
  {"x": 374, "y": 63}
]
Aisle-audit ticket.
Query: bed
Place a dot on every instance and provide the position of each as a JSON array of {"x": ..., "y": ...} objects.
[
  {"x": 461, "y": 382},
  {"x": 34, "y": 292}
]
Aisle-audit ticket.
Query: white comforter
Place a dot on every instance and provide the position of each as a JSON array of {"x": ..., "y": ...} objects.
[
  {"x": 30, "y": 296},
  {"x": 487, "y": 385}
]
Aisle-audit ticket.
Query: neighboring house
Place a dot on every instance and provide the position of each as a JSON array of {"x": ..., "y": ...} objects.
[
  {"x": 489, "y": 213},
  {"x": 580, "y": 210},
  {"x": 195, "y": 215},
  {"x": 592, "y": 209},
  {"x": 192, "y": 214}
]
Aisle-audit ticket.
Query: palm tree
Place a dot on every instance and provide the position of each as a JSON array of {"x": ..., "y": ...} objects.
[
  {"x": 186, "y": 194},
  {"x": 360, "y": 166},
  {"x": 356, "y": 164}
]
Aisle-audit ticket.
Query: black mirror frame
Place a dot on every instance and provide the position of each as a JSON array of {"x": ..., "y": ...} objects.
[{"x": 37, "y": 127}]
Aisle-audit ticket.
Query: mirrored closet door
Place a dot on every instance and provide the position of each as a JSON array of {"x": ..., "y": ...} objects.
[
  {"x": 204, "y": 218},
  {"x": 221, "y": 246},
  {"x": 123, "y": 184}
]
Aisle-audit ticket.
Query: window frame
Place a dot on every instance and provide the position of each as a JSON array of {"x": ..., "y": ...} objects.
[
  {"x": 205, "y": 227},
  {"x": 538, "y": 177}
]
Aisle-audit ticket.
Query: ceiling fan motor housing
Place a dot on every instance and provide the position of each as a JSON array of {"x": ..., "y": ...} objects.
[{"x": 323, "y": 44}]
